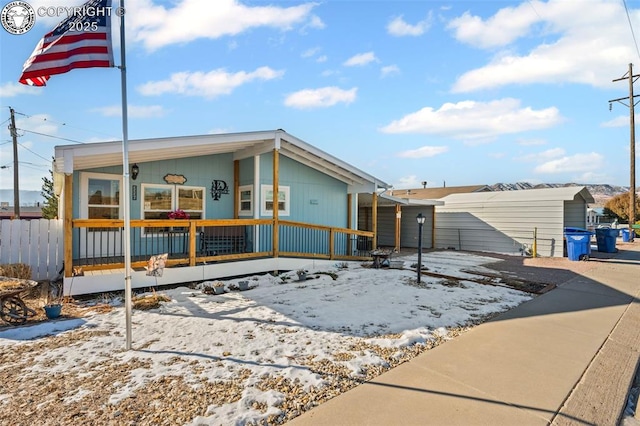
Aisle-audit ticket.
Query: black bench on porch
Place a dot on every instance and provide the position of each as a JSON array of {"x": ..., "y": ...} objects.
[{"x": 216, "y": 240}]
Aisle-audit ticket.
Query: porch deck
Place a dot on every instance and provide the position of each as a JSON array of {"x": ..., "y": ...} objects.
[{"x": 201, "y": 249}]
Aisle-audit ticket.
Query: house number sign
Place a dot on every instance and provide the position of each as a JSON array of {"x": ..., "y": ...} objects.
[{"x": 218, "y": 187}]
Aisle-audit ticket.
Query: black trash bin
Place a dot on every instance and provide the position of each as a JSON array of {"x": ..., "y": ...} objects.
[{"x": 606, "y": 240}]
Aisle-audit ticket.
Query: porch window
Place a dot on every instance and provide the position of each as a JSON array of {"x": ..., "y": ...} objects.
[
  {"x": 245, "y": 200},
  {"x": 159, "y": 200},
  {"x": 267, "y": 202},
  {"x": 100, "y": 196}
]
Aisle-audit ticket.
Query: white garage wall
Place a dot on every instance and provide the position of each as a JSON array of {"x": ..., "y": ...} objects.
[{"x": 504, "y": 222}]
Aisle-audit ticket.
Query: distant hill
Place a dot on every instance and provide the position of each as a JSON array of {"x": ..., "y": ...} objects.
[
  {"x": 601, "y": 192},
  {"x": 27, "y": 198}
]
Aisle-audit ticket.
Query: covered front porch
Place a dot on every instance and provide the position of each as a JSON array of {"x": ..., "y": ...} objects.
[{"x": 272, "y": 197}]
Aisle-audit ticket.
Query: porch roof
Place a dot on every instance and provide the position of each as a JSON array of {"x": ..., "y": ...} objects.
[{"x": 242, "y": 145}]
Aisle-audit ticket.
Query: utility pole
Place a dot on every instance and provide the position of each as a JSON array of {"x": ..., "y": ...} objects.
[
  {"x": 632, "y": 169},
  {"x": 16, "y": 187}
]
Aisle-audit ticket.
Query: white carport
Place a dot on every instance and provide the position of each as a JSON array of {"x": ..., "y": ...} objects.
[
  {"x": 396, "y": 220},
  {"x": 511, "y": 221}
]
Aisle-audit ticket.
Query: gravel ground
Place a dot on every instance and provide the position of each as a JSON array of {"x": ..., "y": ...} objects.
[{"x": 49, "y": 399}]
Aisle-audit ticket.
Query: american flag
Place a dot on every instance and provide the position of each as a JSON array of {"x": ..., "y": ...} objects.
[{"x": 83, "y": 40}]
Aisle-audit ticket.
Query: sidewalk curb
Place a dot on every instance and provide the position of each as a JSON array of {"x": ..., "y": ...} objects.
[{"x": 600, "y": 397}]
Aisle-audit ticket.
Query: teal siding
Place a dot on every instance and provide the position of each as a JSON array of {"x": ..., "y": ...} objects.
[
  {"x": 199, "y": 171},
  {"x": 246, "y": 171},
  {"x": 315, "y": 197}
]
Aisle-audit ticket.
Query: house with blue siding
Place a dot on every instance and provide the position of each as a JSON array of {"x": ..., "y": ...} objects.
[{"x": 218, "y": 205}]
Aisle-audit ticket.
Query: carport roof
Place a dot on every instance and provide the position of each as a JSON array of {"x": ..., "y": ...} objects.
[
  {"x": 385, "y": 200},
  {"x": 436, "y": 193},
  {"x": 568, "y": 193}
]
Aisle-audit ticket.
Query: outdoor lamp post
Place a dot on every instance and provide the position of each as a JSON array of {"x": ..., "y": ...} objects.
[{"x": 420, "y": 218}]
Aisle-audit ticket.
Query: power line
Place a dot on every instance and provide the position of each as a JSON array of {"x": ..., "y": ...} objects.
[
  {"x": 65, "y": 124},
  {"x": 534, "y": 9},
  {"x": 51, "y": 136},
  {"x": 631, "y": 26},
  {"x": 33, "y": 152}
]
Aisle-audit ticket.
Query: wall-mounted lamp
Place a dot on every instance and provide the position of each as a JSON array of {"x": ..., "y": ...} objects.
[{"x": 134, "y": 171}]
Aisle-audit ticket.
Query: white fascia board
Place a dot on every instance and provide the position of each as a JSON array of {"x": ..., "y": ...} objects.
[
  {"x": 411, "y": 201},
  {"x": 331, "y": 159},
  {"x": 98, "y": 148},
  {"x": 258, "y": 149},
  {"x": 362, "y": 188}
]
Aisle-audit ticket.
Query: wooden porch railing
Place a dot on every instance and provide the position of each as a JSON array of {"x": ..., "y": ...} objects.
[{"x": 98, "y": 243}]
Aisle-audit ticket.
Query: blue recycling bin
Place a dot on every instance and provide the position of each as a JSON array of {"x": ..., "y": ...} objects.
[
  {"x": 625, "y": 235},
  {"x": 606, "y": 240},
  {"x": 578, "y": 244}
]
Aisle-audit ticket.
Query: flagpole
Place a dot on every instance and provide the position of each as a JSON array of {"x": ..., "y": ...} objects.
[{"x": 125, "y": 180}]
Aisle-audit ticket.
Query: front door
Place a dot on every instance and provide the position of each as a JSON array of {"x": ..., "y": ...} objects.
[{"x": 103, "y": 201}]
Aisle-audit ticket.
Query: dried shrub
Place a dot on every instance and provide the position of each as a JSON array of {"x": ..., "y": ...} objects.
[
  {"x": 151, "y": 301},
  {"x": 16, "y": 270}
]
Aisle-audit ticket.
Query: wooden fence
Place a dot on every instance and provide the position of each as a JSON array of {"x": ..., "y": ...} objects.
[{"x": 37, "y": 243}]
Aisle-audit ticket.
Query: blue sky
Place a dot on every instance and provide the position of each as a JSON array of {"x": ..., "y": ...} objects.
[{"x": 462, "y": 92}]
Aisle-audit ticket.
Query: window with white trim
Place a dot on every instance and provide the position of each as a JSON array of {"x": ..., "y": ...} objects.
[
  {"x": 267, "y": 203},
  {"x": 159, "y": 200},
  {"x": 245, "y": 200},
  {"x": 100, "y": 196}
]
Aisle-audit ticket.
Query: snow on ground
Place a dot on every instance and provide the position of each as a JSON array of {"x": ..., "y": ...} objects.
[{"x": 281, "y": 328}]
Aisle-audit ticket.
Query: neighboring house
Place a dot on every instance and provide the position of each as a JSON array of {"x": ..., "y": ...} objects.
[
  {"x": 238, "y": 222},
  {"x": 26, "y": 212},
  {"x": 594, "y": 215},
  {"x": 512, "y": 221}
]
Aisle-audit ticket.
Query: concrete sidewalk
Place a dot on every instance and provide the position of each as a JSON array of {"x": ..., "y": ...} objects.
[{"x": 566, "y": 357}]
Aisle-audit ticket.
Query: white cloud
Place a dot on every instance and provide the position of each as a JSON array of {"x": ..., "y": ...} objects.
[
  {"x": 399, "y": 27},
  {"x": 209, "y": 85},
  {"x": 571, "y": 164},
  {"x": 405, "y": 182},
  {"x": 320, "y": 98},
  {"x": 136, "y": 111},
  {"x": 219, "y": 130},
  {"x": 592, "y": 177},
  {"x": 422, "y": 152},
  {"x": 315, "y": 22},
  {"x": 497, "y": 155},
  {"x": 360, "y": 59},
  {"x": 531, "y": 142},
  {"x": 566, "y": 29},
  {"x": 504, "y": 27},
  {"x": 476, "y": 120},
  {"x": 329, "y": 73},
  {"x": 156, "y": 26},
  {"x": 542, "y": 156},
  {"x": 39, "y": 123},
  {"x": 310, "y": 52},
  {"x": 389, "y": 70},
  {"x": 11, "y": 89},
  {"x": 621, "y": 121}
]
